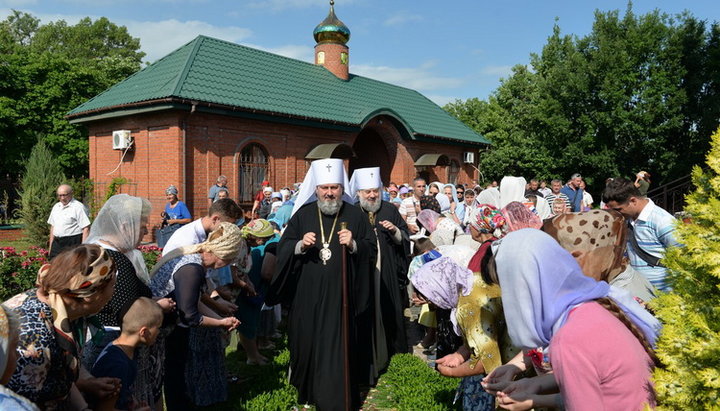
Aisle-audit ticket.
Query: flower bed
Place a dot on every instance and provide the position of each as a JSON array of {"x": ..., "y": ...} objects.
[{"x": 18, "y": 269}]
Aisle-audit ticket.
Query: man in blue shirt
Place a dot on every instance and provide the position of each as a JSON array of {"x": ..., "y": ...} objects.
[
  {"x": 574, "y": 192},
  {"x": 650, "y": 229}
]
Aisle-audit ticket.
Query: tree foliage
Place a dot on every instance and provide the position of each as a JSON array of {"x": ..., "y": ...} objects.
[
  {"x": 690, "y": 342},
  {"x": 41, "y": 178},
  {"x": 47, "y": 70},
  {"x": 637, "y": 92}
]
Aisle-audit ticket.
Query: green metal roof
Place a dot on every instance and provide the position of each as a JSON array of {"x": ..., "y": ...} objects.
[{"x": 218, "y": 72}]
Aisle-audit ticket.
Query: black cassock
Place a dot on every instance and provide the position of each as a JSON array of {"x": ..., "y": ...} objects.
[
  {"x": 313, "y": 292},
  {"x": 389, "y": 286}
]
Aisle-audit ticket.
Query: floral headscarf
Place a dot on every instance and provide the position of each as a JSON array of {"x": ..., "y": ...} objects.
[{"x": 488, "y": 220}]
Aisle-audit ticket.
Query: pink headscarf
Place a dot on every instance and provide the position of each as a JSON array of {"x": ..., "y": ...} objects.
[{"x": 518, "y": 216}]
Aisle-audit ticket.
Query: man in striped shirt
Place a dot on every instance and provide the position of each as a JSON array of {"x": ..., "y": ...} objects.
[
  {"x": 559, "y": 203},
  {"x": 650, "y": 229}
]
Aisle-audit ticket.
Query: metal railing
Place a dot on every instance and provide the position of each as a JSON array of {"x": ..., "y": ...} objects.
[{"x": 671, "y": 196}]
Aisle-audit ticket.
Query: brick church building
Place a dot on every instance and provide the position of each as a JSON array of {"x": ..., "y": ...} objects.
[{"x": 214, "y": 108}]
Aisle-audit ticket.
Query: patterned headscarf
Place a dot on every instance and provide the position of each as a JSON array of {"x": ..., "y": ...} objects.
[
  {"x": 442, "y": 281},
  {"x": 171, "y": 190},
  {"x": 260, "y": 228},
  {"x": 224, "y": 242},
  {"x": 488, "y": 220},
  {"x": 595, "y": 238},
  {"x": 80, "y": 285},
  {"x": 4, "y": 337},
  {"x": 429, "y": 203}
]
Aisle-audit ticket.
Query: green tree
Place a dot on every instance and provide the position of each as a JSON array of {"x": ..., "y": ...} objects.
[
  {"x": 45, "y": 71},
  {"x": 637, "y": 92},
  {"x": 41, "y": 178},
  {"x": 690, "y": 342}
]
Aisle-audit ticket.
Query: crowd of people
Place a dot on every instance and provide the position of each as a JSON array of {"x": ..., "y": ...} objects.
[{"x": 520, "y": 288}]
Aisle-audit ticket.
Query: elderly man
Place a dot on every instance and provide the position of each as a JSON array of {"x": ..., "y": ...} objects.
[
  {"x": 69, "y": 222},
  {"x": 220, "y": 184},
  {"x": 390, "y": 279},
  {"x": 308, "y": 279}
]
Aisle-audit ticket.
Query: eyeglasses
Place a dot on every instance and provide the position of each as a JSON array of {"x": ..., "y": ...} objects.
[{"x": 460, "y": 192}]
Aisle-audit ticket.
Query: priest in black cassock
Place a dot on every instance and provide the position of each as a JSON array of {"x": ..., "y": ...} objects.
[
  {"x": 389, "y": 281},
  {"x": 309, "y": 280}
]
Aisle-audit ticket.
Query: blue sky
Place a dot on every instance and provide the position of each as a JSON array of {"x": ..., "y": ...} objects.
[{"x": 445, "y": 49}]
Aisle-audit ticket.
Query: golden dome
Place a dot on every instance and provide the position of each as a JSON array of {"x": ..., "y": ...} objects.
[{"x": 331, "y": 30}]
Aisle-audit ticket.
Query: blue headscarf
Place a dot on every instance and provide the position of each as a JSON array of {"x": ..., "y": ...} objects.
[{"x": 541, "y": 282}]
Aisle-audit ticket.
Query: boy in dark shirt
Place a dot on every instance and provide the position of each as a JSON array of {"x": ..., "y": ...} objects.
[{"x": 140, "y": 325}]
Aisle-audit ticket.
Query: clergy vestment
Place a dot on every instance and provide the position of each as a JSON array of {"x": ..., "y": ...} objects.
[
  {"x": 389, "y": 287},
  {"x": 313, "y": 291}
]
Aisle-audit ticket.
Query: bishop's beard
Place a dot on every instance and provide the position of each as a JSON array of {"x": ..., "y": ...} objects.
[
  {"x": 370, "y": 206},
  {"x": 330, "y": 207}
]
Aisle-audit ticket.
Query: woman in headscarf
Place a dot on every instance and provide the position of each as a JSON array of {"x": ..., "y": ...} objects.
[
  {"x": 9, "y": 337},
  {"x": 175, "y": 215},
  {"x": 180, "y": 275},
  {"x": 597, "y": 240},
  {"x": 119, "y": 228},
  {"x": 442, "y": 229},
  {"x": 457, "y": 205},
  {"x": 555, "y": 305},
  {"x": 475, "y": 312},
  {"x": 256, "y": 235},
  {"x": 54, "y": 324},
  {"x": 433, "y": 189}
]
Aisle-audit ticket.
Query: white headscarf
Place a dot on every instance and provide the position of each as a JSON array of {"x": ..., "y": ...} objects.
[
  {"x": 434, "y": 183},
  {"x": 489, "y": 196},
  {"x": 512, "y": 189},
  {"x": 118, "y": 226}
]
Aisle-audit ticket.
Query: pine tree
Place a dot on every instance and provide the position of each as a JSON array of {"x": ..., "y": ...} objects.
[
  {"x": 43, "y": 174},
  {"x": 690, "y": 342}
]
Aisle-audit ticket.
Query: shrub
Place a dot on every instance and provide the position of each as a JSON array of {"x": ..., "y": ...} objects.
[
  {"x": 690, "y": 341},
  {"x": 42, "y": 176},
  {"x": 18, "y": 269}
]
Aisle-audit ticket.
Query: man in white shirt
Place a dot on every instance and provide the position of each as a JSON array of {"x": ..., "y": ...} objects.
[
  {"x": 69, "y": 222},
  {"x": 410, "y": 207}
]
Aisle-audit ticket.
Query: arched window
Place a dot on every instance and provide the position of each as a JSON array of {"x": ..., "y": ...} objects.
[
  {"x": 453, "y": 172},
  {"x": 254, "y": 165}
]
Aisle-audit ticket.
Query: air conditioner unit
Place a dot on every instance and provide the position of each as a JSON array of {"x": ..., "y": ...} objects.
[
  {"x": 469, "y": 157},
  {"x": 122, "y": 139}
]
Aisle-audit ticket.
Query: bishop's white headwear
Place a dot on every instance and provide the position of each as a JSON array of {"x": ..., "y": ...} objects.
[
  {"x": 323, "y": 171},
  {"x": 365, "y": 179}
]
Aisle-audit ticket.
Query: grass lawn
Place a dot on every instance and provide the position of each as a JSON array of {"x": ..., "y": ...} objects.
[{"x": 408, "y": 384}]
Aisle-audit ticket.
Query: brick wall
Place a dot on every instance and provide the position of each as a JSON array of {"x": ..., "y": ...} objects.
[{"x": 212, "y": 145}]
